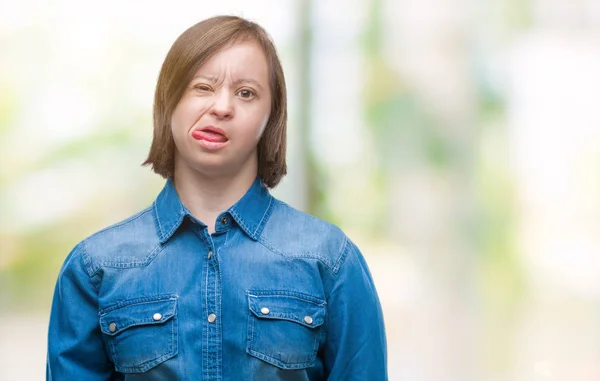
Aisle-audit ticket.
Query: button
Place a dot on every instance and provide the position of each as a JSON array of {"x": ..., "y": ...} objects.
[
  {"x": 308, "y": 320},
  {"x": 212, "y": 318},
  {"x": 224, "y": 220},
  {"x": 209, "y": 254},
  {"x": 264, "y": 311},
  {"x": 112, "y": 327},
  {"x": 157, "y": 316}
]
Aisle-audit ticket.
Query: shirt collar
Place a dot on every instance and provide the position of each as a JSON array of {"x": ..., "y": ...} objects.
[{"x": 251, "y": 212}]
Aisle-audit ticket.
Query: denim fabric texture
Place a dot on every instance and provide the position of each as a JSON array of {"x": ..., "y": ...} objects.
[{"x": 272, "y": 294}]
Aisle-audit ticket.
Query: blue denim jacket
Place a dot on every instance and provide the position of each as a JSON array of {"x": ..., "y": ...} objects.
[{"x": 273, "y": 294}]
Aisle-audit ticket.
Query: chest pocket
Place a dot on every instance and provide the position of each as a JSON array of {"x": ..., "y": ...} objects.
[
  {"x": 284, "y": 328},
  {"x": 141, "y": 333}
]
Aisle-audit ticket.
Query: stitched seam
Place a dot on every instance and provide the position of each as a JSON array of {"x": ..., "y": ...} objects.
[
  {"x": 266, "y": 214},
  {"x": 157, "y": 219},
  {"x": 206, "y": 323},
  {"x": 220, "y": 295},
  {"x": 279, "y": 363},
  {"x": 124, "y": 222},
  {"x": 263, "y": 241},
  {"x": 114, "y": 263},
  {"x": 93, "y": 269},
  {"x": 153, "y": 254},
  {"x": 114, "y": 352},
  {"x": 250, "y": 324},
  {"x": 252, "y": 321},
  {"x": 242, "y": 223},
  {"x": 290, "y": 294},
  {"x": 174, "y": 326},
  {"x": 94, "y": 279},
  {"x": 218, "y": 309},
  {"x": 291, "y": 318},
  {"x": 87, "y": 261},
  {"x": 225, "y": 244},
  {"x": 271, "y": 246},
  {"x": 205, "y": 240},
  {"x": 175, "y": 226},
  {"x": 144, "y": 366},
  {"x": 143, "y": 300},
  {"x": 342, "y": 256},
  {"x": 123, "y": 327}
]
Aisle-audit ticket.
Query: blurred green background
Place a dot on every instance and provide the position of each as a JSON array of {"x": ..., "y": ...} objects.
[{"x": 457, "y": 142}]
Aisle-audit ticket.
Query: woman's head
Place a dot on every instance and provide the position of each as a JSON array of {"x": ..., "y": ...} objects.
[{"x": 220, "y": 102}]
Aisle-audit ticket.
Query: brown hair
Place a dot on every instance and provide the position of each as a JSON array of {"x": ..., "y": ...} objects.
[{"x": 192, "y": 49}]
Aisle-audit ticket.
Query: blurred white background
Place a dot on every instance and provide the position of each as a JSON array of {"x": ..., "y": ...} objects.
[{"x": 457, "y": 142}]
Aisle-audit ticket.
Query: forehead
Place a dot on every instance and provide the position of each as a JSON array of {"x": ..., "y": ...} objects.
[{"x": 245, "y": 58}]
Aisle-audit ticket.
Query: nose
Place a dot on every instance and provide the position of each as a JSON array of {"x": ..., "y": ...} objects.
[{"x": 222, "y": 107}]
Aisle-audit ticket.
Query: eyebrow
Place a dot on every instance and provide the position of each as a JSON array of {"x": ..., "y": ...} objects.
[
  {"x": 236, "y": 82},
  {"x": 247, "y": 80}
]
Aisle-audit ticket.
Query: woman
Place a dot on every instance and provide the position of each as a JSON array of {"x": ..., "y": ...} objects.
[{"x": 217, "y": 280}]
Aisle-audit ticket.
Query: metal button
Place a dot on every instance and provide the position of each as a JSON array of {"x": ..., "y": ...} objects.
[
  {"x": 209, "y": 254},
  {"x": 264, "y": 311},
  {"x": 212, "y": 318},
  {"x": 224, "y": 220},
  {"x": 308, "y": 320},
  {"x": 157, "y": 316},
  {"x": 112, "y": 327}
]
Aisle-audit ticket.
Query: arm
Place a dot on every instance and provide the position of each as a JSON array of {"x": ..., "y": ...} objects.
[
  {"x": 355, "y": 347},
  {"x": 75, "y": 346}
]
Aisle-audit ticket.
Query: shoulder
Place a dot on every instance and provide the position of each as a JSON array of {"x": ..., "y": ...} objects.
[
  {"x": 127, "y": 243},
  {"x": 295, "y": 234}
]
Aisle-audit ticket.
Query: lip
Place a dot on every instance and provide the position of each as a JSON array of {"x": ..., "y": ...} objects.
[
  {"x": 207, "y": 141},
  {"x": 214, "y": 129}
]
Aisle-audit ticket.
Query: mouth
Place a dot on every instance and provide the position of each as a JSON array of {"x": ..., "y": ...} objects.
[{"x": 210, "y": 134}]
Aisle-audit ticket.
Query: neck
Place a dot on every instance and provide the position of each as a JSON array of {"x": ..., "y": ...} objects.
[{"x": 207, "y": 196}]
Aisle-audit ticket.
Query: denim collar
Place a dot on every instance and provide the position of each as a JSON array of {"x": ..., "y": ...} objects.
[{"x": 251, "y": 212}]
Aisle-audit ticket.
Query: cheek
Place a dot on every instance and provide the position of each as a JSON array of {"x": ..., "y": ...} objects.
[{"x": 187, "y": 113}]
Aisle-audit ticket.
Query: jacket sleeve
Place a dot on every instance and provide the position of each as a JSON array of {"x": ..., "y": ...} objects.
[
  {"x": 355, "y": 346},
  {"x": 75, "y": 346}
]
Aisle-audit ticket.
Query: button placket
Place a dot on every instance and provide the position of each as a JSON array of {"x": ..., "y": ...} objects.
[{"x": 212, "y": 293}]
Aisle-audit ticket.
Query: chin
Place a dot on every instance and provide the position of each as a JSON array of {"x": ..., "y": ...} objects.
[{"x": 212, "y": 167}]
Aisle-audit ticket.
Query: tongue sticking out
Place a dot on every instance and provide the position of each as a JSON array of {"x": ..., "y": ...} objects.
[{"x": 209, "y": 136}]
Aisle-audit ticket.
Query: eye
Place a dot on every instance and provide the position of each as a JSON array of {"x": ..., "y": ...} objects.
[
  {"x": 246, "y": 94},
  {"x": 202, "y": 87}
]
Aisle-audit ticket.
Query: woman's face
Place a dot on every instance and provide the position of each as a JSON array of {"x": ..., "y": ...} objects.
[{"x": 222, "y": 114}]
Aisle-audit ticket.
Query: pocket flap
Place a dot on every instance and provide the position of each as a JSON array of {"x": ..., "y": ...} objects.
[
  {"x": 299, "y": 308},
  {"x": 135, "y": 312}
]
